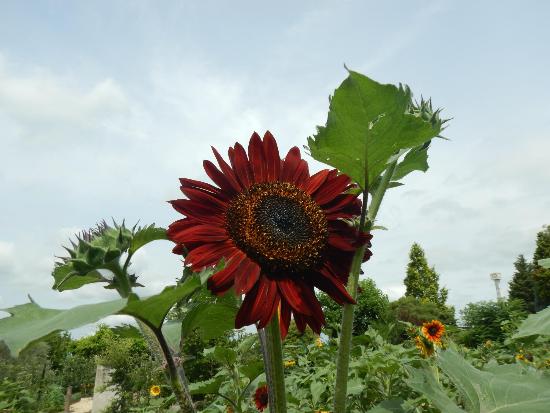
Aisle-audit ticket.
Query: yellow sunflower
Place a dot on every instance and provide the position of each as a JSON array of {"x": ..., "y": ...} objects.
[
  {"x": 289, "y": 363},
  {"x": 425, "y": 346},
  {"x": 154, "y": 390},
  {"x": 319, "y": 342},
  {"x": 433, "y": 331}
]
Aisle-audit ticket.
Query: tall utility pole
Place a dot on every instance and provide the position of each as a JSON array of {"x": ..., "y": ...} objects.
[{"x": 496, "y": 277}]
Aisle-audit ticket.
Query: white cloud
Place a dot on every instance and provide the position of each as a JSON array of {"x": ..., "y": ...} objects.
[{"x": 40, "y": 103}]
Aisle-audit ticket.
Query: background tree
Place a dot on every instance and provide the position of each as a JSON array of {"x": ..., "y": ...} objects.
[
  {"x": 541, "y": 275},
  {"x": 522, "y": 286},
  {"x": 491, "y": 320},
  {"x": 422, "y": 282},
  {"x": 372, "y": 305}
]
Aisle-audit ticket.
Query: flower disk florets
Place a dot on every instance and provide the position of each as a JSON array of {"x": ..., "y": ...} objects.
[{"x": 279, "y": 226}]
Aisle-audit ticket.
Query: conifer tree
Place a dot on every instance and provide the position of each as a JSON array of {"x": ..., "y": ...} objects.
[
  {"x": 422, "y": 281},
  {"x": 541, "y": 275},
  {"x": 522, "y": 286}
]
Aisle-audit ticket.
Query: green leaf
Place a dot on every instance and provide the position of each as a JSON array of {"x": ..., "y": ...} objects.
[
  {"x": 355, "y": 386},
  {"x": 211, "y": 386},
  {"x": 146, "y": 235},
  {"x": 424, "y": 382},
  {"x": 368, "y": 123},
  {"x": 246, "y": 344},
  {"x": 503, "y": 389},
  {"x": 415, "y": 160},
  {"x": 535, "y": 324},
  {"x": 212, "y": 320},
  {"x": 153, "y": 310},
  {"x": 389, "y": 406},
  {"x": 252, "y": 369},
  {"x": 317, "y": 388},
  {"x": 30, "y": 322},
  {"x": 65, "y": 278},
  {"x": 544, "y": 263},
  {"x": 172, "y": 333},
  {"x": 221, "y": 354}
]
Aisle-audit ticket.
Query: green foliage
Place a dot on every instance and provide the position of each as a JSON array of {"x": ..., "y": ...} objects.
[
  {"x": 30, "y": 322},
  {"x": 522, "y": 286},
  {"x": 535, "y": 325},
  {"x": 422, "y": 282},
  {"x": 134, "y": 370},
  {"x": 507, "y": 388},
  {"x": 377, "y": 373},
  {"x": 372, "y": 305},
  {"x": 153, "y": 310},
  {"x": 240, "y": 372},
  {"x": 490, "y": 320},
  {"x": 417, "y": 312},
  {"x": 541, "y": 275},
  {"x": 545, "y": 263},
  {"x": 367, "y": 124}
]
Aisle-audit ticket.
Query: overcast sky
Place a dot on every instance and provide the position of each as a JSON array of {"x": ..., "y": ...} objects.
[{"x": 105, "y": 104}]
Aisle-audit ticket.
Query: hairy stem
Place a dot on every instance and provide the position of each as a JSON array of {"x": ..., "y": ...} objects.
[
  {"x": 272, "y": 350},
  {"x": 179, "y": 387},
  {"x": 344, "y": 348}
]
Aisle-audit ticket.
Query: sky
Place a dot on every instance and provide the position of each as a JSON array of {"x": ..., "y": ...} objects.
[{"x": 105, "y": 104}]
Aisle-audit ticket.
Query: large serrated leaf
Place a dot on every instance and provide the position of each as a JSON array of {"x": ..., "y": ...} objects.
[
  {"x": 212, "y": 320},
  {"x": 252, "y": 369},
  {"x": 211, "y": 386},
  {"x": 146, "y": 235},
  {"x": 503, "y": 389},
  {"x": 67, "y": 279},
  {"x": 535, "y": 324},
  {"x": 367, "y": 124},
  {"x": 153, "y": 310},
  {"x": 30, "y": 322},
  {"x": 415, "y": 160}
]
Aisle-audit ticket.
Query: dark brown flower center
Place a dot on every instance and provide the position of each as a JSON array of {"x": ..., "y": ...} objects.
[
  {"x": 433, "y": 330},
  {"x": 279, "y": 226}
]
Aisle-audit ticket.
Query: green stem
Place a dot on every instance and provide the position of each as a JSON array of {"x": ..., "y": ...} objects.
[
  {"x": 178, "y": 386},
  {"x": 270, "y": 339},
  {"x": 344, "y": 348},
  {"x": 122, "y": 281}
]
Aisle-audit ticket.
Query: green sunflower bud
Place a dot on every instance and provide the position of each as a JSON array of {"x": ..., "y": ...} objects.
[{"x": 101, "y": 248}]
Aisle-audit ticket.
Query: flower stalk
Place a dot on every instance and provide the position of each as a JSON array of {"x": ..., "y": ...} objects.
[
  {"x": 344, "y": 348},
  {"x": 270, "y": 340},
  {"x": 179, "y": 387}
]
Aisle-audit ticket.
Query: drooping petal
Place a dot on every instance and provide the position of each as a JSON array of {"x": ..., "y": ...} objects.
[
  {"x": 247, "y": 275},
  {"x": 209, "y": 254},
  {"x": 223, "y": 280}
]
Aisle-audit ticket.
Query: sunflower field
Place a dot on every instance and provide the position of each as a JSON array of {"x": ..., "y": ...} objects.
[{"x": 271, "y": 311}]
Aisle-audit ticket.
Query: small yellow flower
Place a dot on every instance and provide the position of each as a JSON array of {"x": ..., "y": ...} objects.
[
  {"x": 488, "y": 344},
  {"x": 319, "y": 342},
  {"x": 520, "y": 356},
  {"x": 154, "y": 390},
  {"x": 425, "y": 346},
  {"x": 289, "y": 363}
]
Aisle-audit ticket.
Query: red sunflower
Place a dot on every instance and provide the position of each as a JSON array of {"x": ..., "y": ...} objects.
[
  {"x": 261, "y": 398},
  {"x": 279, "y": 229}
]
